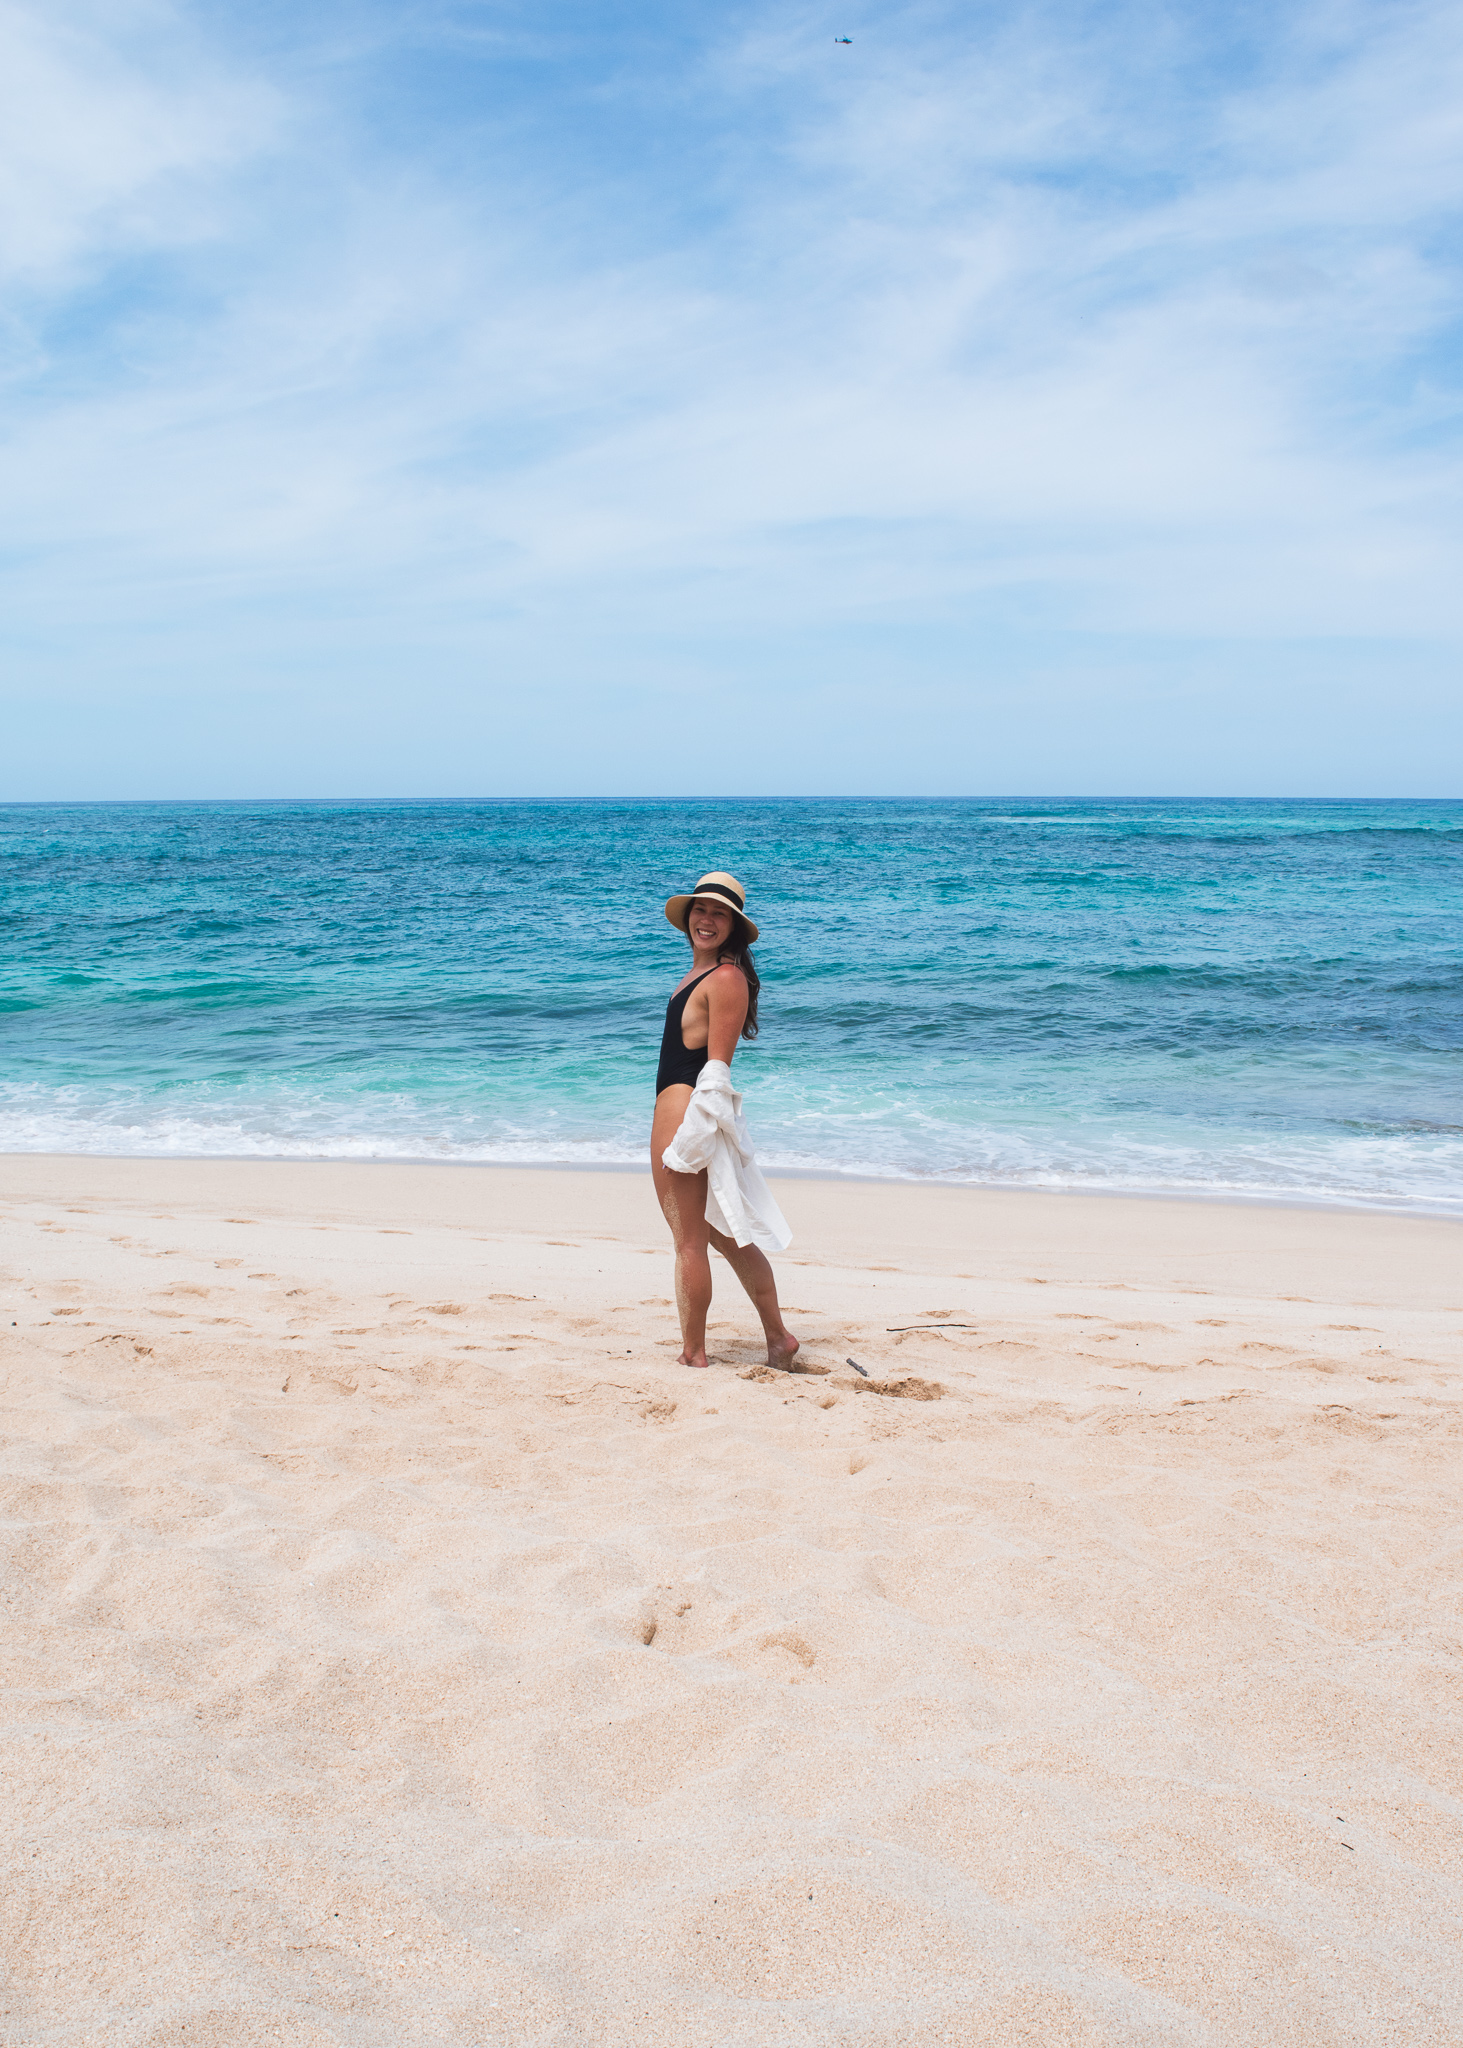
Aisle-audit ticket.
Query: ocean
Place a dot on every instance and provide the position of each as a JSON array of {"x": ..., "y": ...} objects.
[{"x": 1212, "y": 998}]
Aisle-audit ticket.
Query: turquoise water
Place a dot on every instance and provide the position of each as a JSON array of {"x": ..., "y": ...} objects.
[{"x": 1261, "y": 998}]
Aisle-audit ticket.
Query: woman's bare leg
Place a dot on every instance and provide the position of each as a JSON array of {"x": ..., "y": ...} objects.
[
  {"x": 683, "y": 1198},
  {"x": 754, "y": 1269},
  {"x": 683, "y": 1201}
]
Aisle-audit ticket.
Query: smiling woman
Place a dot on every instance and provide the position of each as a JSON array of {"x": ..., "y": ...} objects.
[{"x": 706, "y": 1176}]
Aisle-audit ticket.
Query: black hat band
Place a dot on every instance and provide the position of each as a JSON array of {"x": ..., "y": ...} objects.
[{"x": 717, "y": 889}]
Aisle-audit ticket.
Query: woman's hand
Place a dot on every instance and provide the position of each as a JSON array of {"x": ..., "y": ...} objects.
[{"x": 726, "y": 998}]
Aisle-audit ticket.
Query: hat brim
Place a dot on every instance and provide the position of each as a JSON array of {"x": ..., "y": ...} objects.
[{"x": 677, "y": 907}]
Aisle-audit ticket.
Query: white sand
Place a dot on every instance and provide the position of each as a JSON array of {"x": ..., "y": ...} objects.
[{"x": 402, "y": 1648}]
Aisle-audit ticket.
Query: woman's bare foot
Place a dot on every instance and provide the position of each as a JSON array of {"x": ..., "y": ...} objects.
[
  {"x": 699, "y": 1359},
  {"x": 781, "y": 1351}
]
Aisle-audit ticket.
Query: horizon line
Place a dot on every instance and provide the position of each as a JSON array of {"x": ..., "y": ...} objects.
[{"x": 779, "y": 797}]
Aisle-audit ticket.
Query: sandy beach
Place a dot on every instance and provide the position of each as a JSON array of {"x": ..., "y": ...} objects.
[{"x": 401, "y": 1647}]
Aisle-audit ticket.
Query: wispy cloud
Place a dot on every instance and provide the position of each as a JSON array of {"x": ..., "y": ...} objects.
[
  {"x": 120, "y": 130},
  {"x": 497, "y": 338}
]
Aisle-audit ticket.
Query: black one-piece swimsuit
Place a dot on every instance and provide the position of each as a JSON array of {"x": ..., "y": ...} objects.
[{"x": 677, "y": 1061}]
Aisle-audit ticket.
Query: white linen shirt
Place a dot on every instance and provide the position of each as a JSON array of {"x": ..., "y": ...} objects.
[{"x": 713, "y": 1136}]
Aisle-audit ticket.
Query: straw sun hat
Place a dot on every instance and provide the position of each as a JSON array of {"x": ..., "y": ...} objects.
[{"x": 726, "y": 887}]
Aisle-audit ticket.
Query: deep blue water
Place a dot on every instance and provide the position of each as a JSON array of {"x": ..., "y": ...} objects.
[{"x": 1235, "y": 997}]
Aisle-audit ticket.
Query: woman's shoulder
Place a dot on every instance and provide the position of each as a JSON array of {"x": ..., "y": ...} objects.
[
  {"x": 727, "y": 975},
  {"x": 725, "y": 980}
]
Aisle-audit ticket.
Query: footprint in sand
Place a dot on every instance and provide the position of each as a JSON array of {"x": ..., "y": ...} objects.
[{"x": 794, "y": 1644}]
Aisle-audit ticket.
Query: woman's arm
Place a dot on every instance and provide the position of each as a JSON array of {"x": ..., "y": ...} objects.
[{"x": 726, "y": 997}]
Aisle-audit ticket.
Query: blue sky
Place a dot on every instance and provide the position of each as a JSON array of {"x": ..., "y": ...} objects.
[{"x": 456, "y": 399}]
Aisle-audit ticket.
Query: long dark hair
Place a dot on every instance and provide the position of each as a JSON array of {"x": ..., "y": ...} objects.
[{"x": 738, "y": 950}]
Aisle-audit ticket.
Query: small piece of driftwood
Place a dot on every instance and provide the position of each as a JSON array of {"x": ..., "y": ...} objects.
[
  {"x": 889, "y": 1328},
  {"x": 856, "y": 1366}
]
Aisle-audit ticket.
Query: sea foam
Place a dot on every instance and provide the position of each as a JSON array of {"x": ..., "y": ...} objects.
[{"x": 1249, "y": 1000}]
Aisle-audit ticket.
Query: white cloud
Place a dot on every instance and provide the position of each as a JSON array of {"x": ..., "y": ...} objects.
[
  {"x": 115, "y": 128},
  {"x": 1053, "y": 321}
]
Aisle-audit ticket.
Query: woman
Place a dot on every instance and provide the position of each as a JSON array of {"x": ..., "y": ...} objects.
[{"x": 714, "y": 1004}]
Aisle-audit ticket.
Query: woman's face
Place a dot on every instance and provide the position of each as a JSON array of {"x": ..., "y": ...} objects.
[{"x": 709, "y": 923}]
